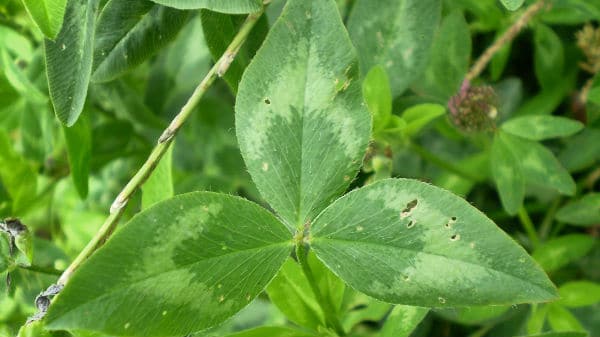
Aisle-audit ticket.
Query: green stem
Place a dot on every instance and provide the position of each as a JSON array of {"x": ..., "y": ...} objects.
[
  {"x": 442, "y": 163},
  {"x": 546, "y": 225},
  {"x": 528, "y": 226},
  {"x": 330, "y": 313},
  {"x": 43, "y": 270},
  {"x": 165, "y": 140}
]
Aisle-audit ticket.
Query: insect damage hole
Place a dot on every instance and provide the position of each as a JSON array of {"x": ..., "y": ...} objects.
[
  {"x": 409, "y": 208},
  {"x": 450, "y": 222},
  {"x": 455, "y": 237},
  {"x": 267, "y": 101},
  {"x": 411, "y": 224}
]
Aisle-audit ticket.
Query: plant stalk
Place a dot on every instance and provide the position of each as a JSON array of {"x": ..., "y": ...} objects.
[
  {"x": 505, "y": 38},
  {"x": 164, "y": 141},
  {"x": 330, "y": 313},
  {"x": 529, "y": 227},
  {"x": 43, "y": 270}
]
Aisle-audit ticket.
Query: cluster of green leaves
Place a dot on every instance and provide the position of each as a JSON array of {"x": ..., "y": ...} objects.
[{"x": 327, "y": 96}]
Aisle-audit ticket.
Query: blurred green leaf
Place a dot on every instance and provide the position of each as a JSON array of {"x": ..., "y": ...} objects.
[
  {"x": 581, "y": 151},
  {"x": 229, "y": 6},
  {"x": 291, "y": 293},
  {"x": 539, "y": 165},
  {"x": 537, "y": 319},
  {"x": 69, "y": 60},
  {"x": 582, "y": 212},
  {"x": 507, "y": 173},
  {"x": 360, "y": 308},
  {"x": 542, "y": 127},
  {"x": 378, "y": 97},
  {"x": 512, "y": 5},
  {"x": 561, "y": 319},
  {"x": 17, "y": 78},
  {"x": 579, "y": 294},
  {"x": 418, "y": 116},
  {"x": 395, "y": 34},
  {"x": 561, "y": 334},
  {"x": 47, "y": 15},
  {"x": 557, "y": 253},
  {"x": 402, "y": 321},
  {"x": 79, "y": 147},
  {"x": 571, "y": 12},
  {"x": 18, "y": 45},
  {"x": 272, "y": 332},
  {"x": 449, "y": 59},
  {"x": 159, "y": 185},
  {"x": 477, "y": 315},
  {"x": 18, "y": 177},
  {"x": 548, "y": 56},
  {"x": 130, "y": 32}
]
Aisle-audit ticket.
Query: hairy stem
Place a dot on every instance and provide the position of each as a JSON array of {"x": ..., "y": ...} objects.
[
  {"x": 164, "y": 141},
  {"x": 505, "y": 38},
  {"x": 330, "y": 313}
]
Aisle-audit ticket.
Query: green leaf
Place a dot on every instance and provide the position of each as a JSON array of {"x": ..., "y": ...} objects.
[
  {"x": 24, "y": 243},
  {"x": 69, "y": 60},
  {"x": 559, "y": 252},
  {"x": 47, "y": 15},
  {"x": 16, "y": 43},
  {"x": 418, "y": 116},
  {"x": 182, "y": 265},
  {"x": 542, "y": 127},
  {"x": 272, "y": 332},
  {"x": 377, "y": 94},
  {"x": 548, "y": 56},
  {"x": 561, "y": 319},
  {"x": 582, "y": 212},
  {"x": 536, "y": 320},
  {"x": 473, "y": 315},
  {"x": 507, "y": 174},
  {"x": 159, "y": 185},
  {"x": 6, "y": 262},
  {"x": 223, "y": 6},
  {"x": 360, "y": 308},
  {"x": 300, "y": 119},
  {"x": 220, "y": 29},
  {"x": 581, "y": 151},
  {"x": 561, "y": 334},
  {"x": 291, "y": 293},
  {"x": 404, "y": 241},
  {"x": 403, "y": 320},
  {"x": 8, "y": 94},
  {"x": 34, "y": 329},
  {"x": 18, "y": 79},
  {"x": 129, "y": 32},
  {"x": 579, "y": 294},
  {"x": 18, "y": 177},
  {"x": 449, "y": 60},
  {"x": 540, "y": 166},
  {"x": 79, "y": 147},
  {"x": 512, "y": 5},
  {"x": 395, "y": 34}
]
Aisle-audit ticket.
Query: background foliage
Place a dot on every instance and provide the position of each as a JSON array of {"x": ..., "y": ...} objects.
[{"x": 87, "y": 86}]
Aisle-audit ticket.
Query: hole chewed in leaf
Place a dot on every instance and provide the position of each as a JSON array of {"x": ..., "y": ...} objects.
[
  {"x": 455, "y": 237},
  {"x": 411, "y": 224},
  {"x": 409, "y": 208},
  {"x": 450, "y": 222},
  {"x": 267, "y": 101}
]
